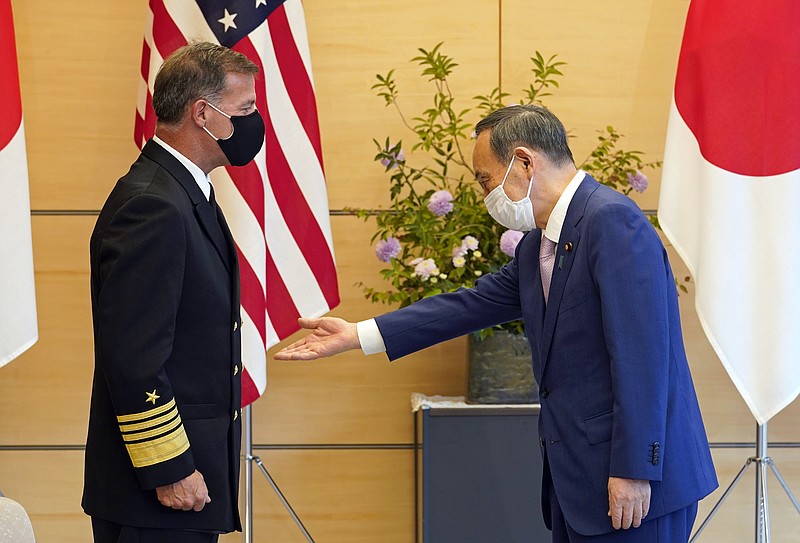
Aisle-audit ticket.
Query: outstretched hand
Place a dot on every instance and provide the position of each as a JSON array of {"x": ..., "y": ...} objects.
[{"x": 329, "y": 336}]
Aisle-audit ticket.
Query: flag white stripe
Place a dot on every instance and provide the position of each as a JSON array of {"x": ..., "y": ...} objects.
[
  {"x": 289, "y": 260},
  {"x": 243, "y": 224},
  {"x": 144, "y": 86},
  {"x": 294, "y": 142},
  {"x": 297, "y": 25},
  {"x": 254, "y": 355},
  {"x": 17, "y": 291},
  {"x": 189, "y": 19},
  {"x": 720, "y": 222}
]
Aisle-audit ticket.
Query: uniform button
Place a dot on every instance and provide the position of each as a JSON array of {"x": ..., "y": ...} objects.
[
  {"x": 235, "y": 414},
  {"x": 545, "y": 392},
  {"x": 235, "y": 325},
  {"x": 236, "y": 369}
]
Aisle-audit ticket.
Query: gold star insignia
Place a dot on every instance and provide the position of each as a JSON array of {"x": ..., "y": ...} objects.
[{"x": 152, "y": 396}]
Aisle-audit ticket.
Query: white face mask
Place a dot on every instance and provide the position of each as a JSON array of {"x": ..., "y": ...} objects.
[{"x": 512, "y": 215}]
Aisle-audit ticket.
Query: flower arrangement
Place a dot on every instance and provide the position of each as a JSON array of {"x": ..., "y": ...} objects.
[{"x": 436, "y": 235}]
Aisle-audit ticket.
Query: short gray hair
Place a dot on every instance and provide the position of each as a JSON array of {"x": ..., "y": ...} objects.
[
  {"x": 529, "y": 126},
  {"x": 194, "y": 71}
]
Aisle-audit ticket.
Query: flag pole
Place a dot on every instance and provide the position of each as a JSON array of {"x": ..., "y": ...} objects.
[
  {"x": 247, "y": 493},
  {"x": 762, "y": 460},
  {"x": 248, "y": 457}
]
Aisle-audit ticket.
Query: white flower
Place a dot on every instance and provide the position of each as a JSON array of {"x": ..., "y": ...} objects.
[
  {"x": 434, "y": 280},
  {"x": 478, "y": 273},
  {"x": 459, "y": 251},
  {"x": 426, "y": 268},
  {"x": 442, "y": 276},
  {"x": 415, "y": 262},
  {"x": 469, "y": 242},
  {"x": 459, "y": 261},
  {"x": 477, "y": 254}
]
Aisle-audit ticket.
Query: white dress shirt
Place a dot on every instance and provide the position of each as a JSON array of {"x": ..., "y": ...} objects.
[
  {"x": 369, "y": 335},
  {"x": 202, "y": 180}
]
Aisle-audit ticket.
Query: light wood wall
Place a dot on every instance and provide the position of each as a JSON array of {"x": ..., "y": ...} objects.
[{"x": 79, "y": 63}]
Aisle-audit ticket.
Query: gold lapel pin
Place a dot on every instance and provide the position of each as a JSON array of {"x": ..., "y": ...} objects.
[{"x": 568, "y": 246}]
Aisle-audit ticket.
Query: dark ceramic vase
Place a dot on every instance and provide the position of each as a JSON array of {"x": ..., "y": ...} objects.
[{"x": 500, "y": 370}]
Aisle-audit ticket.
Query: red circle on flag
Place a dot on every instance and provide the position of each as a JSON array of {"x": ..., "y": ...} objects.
[
  {"x": 738, "y": 84},
  {"x": 10, "y": 103}
]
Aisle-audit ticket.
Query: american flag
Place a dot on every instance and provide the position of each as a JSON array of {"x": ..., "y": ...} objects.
[{"x": 276, "y": 206}]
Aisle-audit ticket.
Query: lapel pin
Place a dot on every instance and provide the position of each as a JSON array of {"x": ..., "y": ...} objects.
[{"x": 568, "y": 246}]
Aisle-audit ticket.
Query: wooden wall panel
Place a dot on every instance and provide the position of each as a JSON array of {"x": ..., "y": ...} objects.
[
  {"x": 621, "y": 58},
  {"x": 342, "y": 496},
  {"x": 353, "y": 40},
  {"x": 44, "y": 394},
  {"x": 79, "y": 63}
]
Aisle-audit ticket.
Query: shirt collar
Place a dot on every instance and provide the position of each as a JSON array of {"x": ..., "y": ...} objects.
[
  {"x": 556, "y": 221},
  {"x": 202, "y": 180}
]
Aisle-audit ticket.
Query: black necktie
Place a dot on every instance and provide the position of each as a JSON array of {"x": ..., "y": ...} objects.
[{"x": 212, "y": 200}]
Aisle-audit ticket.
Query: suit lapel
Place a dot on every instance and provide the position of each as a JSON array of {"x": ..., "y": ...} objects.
[
  {"x": 565, "y": 256},
  {"x": 202, "y": 210}
]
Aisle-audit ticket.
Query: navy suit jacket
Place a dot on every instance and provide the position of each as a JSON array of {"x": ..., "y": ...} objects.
[{"x": 617, "y": 397}]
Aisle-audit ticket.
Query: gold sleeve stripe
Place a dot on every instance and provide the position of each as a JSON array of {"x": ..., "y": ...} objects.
[
  {"x": 138, "y": 436},
  {"x": 152, "y": 423},
  {"x": 158, "y": 450},
  {"x": 147, "y": 414}
]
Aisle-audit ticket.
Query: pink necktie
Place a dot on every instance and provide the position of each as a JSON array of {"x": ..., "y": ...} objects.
[{"x": 547, "y": 257}]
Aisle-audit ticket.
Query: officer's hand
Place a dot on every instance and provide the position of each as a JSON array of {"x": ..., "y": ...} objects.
[
  {"x": 628, "y": 502},
  {"x": 186, "y": 494}
]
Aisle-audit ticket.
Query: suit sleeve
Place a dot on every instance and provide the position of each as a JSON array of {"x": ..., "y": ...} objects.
[
  {"x": 141, "y": 265},
  {"x": 493, "y": 300},
  {"x": 631, "y": 275}
]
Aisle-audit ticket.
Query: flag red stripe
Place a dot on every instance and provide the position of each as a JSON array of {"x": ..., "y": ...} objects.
[
  {"x": 253, "y": 298},
  {"x": 138, "y": 131},
  {"x": 283, "y": 313},
  {"x": 250, "y": 391},
  {"x": 299, "y": 218},
  {"x": 295, "y": 77},
  {"x": 166, "y": 34},
  {"x": 249, "y": 183}
]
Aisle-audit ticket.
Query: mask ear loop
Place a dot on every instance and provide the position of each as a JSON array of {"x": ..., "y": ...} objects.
[
  {"x": 508, "y": 170},
  {"x": 218, "y": 110}
]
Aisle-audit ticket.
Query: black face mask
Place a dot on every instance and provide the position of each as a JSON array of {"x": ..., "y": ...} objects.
[{"x": 246, "y": 139}]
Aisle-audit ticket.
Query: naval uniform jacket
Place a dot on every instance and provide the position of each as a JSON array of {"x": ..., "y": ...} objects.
[
  {"x": 166, "y": 393},
  {"x": 617, "y": 397}
]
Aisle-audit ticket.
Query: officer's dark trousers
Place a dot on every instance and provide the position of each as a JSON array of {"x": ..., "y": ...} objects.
[{"x": 109, "y": 532}]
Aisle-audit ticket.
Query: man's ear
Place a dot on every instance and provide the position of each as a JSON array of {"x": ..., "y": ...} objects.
[
  {"x": 198, "y": 112},
  {"x": 526, "y": 157}
]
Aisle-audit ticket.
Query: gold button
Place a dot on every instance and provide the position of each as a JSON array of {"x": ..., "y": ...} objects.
[
  {"x": 235, "y": 325},
  {"x": 236, "y": 369},
  {"x": 235, "y": 415}
]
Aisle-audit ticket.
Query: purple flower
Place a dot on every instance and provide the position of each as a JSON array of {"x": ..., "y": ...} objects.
[
  {"x": 387, "y": 249},
  {"x": 440, "y": 203},
  {"x": 638, "y": 181},
  {"x": 509, "y": 241},
  {"x": 393, "y": 159}
]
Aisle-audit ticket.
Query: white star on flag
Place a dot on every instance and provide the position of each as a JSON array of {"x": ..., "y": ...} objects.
[
  {"x": 227, "y": 20},
  {"x": 261, "y": 3}
]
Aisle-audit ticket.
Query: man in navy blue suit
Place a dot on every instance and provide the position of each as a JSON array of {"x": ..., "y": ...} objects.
[{"x": 626, "y": 457}]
